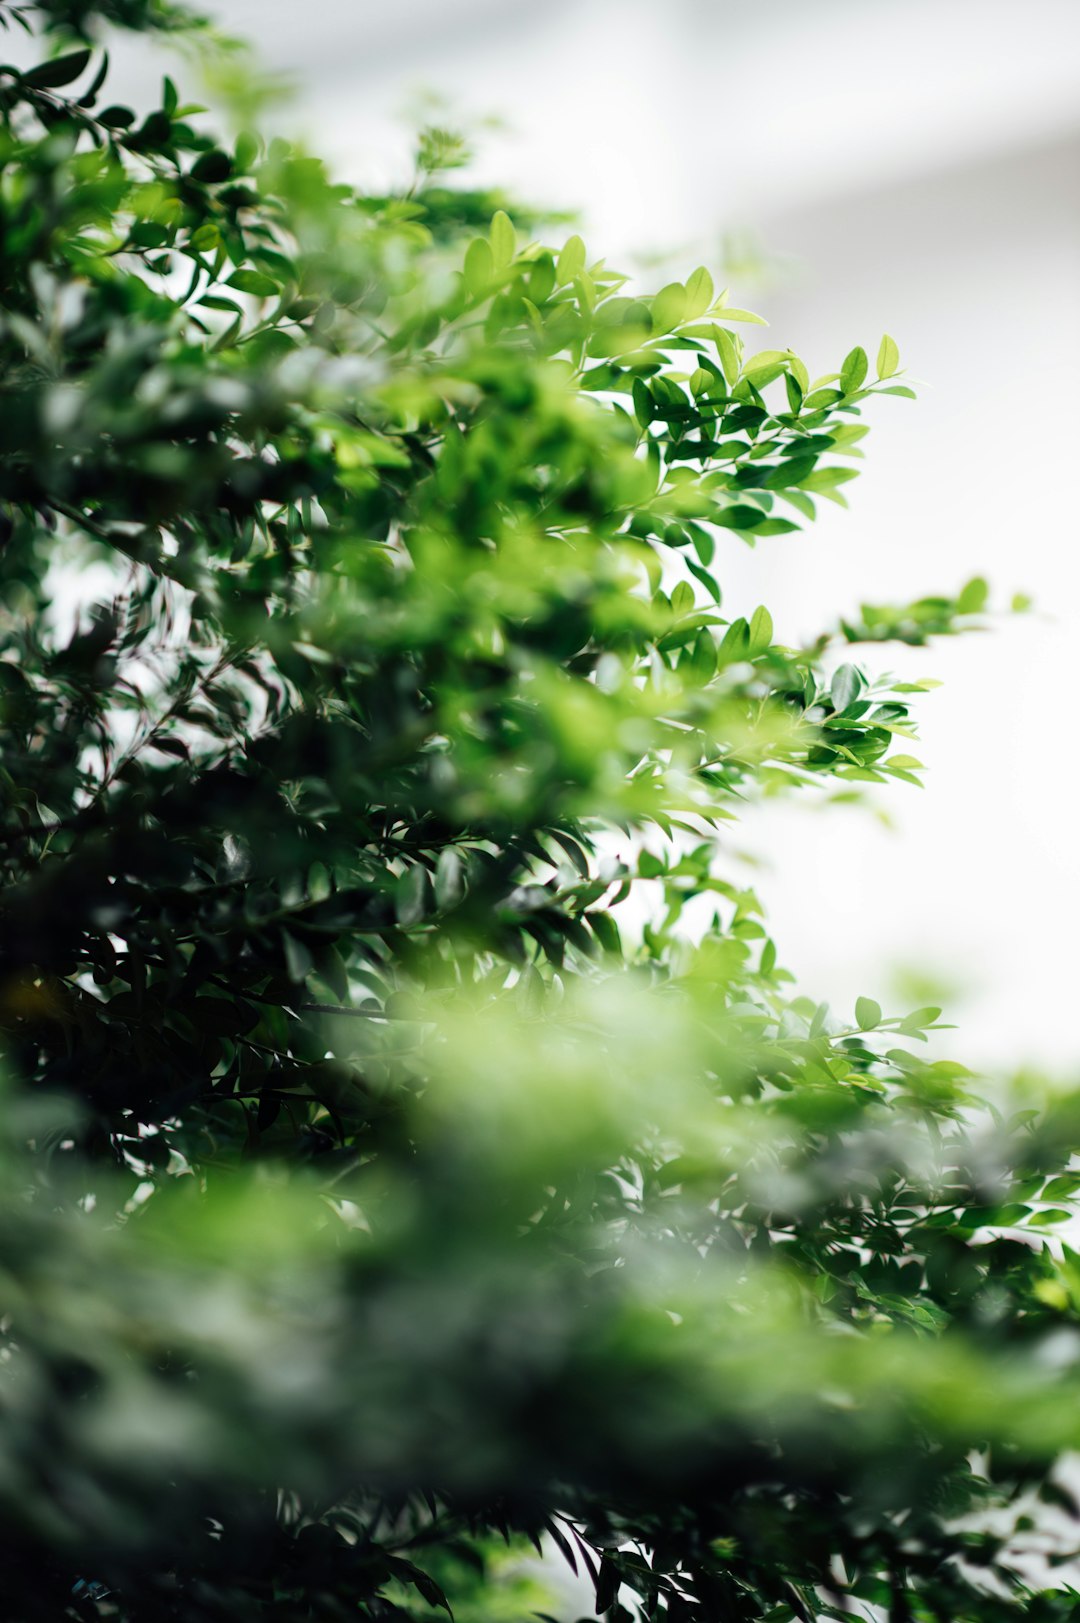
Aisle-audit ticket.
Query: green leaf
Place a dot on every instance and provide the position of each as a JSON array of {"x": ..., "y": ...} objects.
[
  {"x": 669, "y": 308},
  {"x": 479, "y": 267},
  {"x": 740, "y": 516},
  {"x": 254, "y": 282},
  {"x": 1062, "y": 1187},
  {"x": 299, "y": 963},
  {"x": 503, "y": 239},
  {"x": 541, "y": 279},
  {"x": 331, "y": 966},
  {"x": 867, "y": 1013},
  {"x": 798, "y": 372},
  {"x": 410, "y": 903},
  {"x": 735, "y": 642},
  {"x": 764, "y": 368},
  {"x": 57, "y": 71},
  {"x": 644, "y": 408},
  {"x": 246, "y": 151},
  {"x": 699, "y": 293},
  {"x": 729, "y": 355},
  {"x": 606, "y": 931},
  {"x": 607, "y": 1583},
  {"x": 212, "y": 168},
  {"x": 727, "y": 314},
  {"x": 818, "y": 399},
  {"x": 918, "y": 1019},
  {"x": 910, "y": 763},
  {"x": 90, "y": 95},
  {"x": 706, "y": 579},
  {"x": 845, "y": 687},
  {"x": 826, "y": 482},
  {"x": 571, "y": 261},
  {"x": 449, "y": 878},
  {"x": 888, "y": 357},
  {"x": 853, "y": 371},
  {"x": 699, "y": 659},
  {"x": 820, "y": 1019},
  {"x": 972, "y": 598},
  {"x": 761, "y": 628},
  {"x": 791, "y": 471},
  {"x": 683, "y": 601}
]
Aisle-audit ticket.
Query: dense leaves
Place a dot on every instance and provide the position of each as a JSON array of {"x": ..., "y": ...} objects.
[{"x": 411, "y": 1136}]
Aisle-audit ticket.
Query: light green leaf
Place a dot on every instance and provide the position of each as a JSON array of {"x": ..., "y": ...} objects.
[
  {"x": 479, "y": 266},
  {"x": 854, "y": 370},
  {"x": 571, "y": 261},
  {"x": 699, "y": 293},
  {"x": 699, "y": 661},
  {"x": 503, "y": 238},
  {"x": 682, "y": 599},
  {"x": 741, "y": 315},
  {"x": 972, "y": 599},
  {"x": 729, "y": 355},
  {"x": 763, "y": 368},
  {"x": 798, "y": 372},
  {"x": 761, "y": 628},
  {"x": 669, "y": 307},
  {"x": 867, "y": 1013},
  {"x": 923, "y": 1017},
  {"x": 888, "y": 357},
  {"x": 735, "y": 641}
]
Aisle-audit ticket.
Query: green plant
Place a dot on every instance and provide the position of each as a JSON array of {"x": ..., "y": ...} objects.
[{"x": 371, "y": 1194}]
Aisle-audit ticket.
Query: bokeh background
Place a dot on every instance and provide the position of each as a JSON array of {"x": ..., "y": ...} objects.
[{"x": 855, "y": 166}]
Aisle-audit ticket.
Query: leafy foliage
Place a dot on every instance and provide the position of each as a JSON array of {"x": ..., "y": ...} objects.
[{"x": 374, "y": 1192}]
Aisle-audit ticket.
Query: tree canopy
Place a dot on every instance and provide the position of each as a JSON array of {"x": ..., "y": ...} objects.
[{"x": 391, "y": 1171}]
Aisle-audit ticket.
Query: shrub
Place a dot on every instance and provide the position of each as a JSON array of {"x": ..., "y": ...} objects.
[{"x": 390, "y": 1171}]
